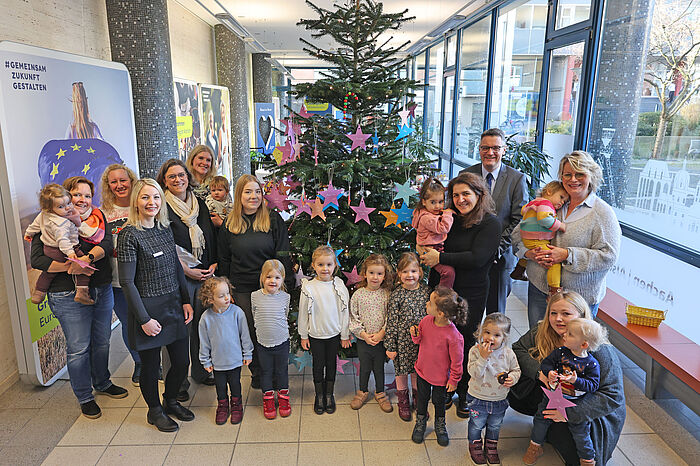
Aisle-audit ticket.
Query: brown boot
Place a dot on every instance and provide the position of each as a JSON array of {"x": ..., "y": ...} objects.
[
  {"x": 82, "y": 296},
  {"x": 476, "y": 452},
  {"x": 532, "y": 454},
  {"x": 38, "y": 296},
  {"x": 404, "y": 405},
  {"x": 519, "y": 273},
  {"x": 491, "y": 450},
  {"x": 359, "y": 400},
  {"x": 384, "y": 403}
]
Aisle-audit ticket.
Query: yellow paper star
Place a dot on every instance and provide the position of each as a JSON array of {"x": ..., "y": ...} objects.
[
  {"x": 317, "y": 209},
  {"x": 91, "y": 150},
  {"x": 75, "y": 147},
  {"x": 54, "y": 171},
  {"x": 61, "y": 153},
  {"x": 86, "y": 168},
  {"x": 391, "y": 216}
]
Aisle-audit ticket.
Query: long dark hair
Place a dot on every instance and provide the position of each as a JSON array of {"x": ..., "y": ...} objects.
[
  {"x": 484, "y": 204},
  {"x": 430, "y": 186}
]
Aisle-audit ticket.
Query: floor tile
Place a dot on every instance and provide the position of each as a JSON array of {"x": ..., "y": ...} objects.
[
  {"x": 341, "y": 425},
  {"x": 46, "y": 427},
  {"x": 375, "y": 424},
  {"x": 125, "y": 369},
  {"x": 516, "y": 425},
  {"x": 204, "y": 430},
  {"x": 12, "y": 421},
  {"x": 29, "y": 455},
  {"x": 335, "y": 453},
  {"x": 648, "y": 449},
  {"x": 98, "y": 431},
  {"x": 518, "y": 318},
  {"x": 296, "y": 384},
  {"x": 256, "y": 428},
  {"x": 187, "y": 455},
  {"x": 456, "y": 426},
  {"x": 457, "y": 452},
  {"x": 143, "y": 455},
  {"x": 128, "y": 402},
  {"x": 511, "y": 451},
  {"x": 344, "y": 389},
  {"x": 25, "y": 395},
  {"x": 74, "y": 456},
  {"x": 277, "y": 454},
  {"x": 135, "y": 430},
  {"x": 395, "y": 453},
  {"x": 635, "y": 424},
  {"x": 618, "y": 459}
]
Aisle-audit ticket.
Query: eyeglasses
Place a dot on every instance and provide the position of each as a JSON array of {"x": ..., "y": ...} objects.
[
  {"x": 173, "y": 177},
  {"x": 489, "y": 148},
  {"x": 568, "y": 176}
]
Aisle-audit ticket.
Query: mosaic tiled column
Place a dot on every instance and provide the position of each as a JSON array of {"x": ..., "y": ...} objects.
[
  {"x": 262, "y": 78},
  {"x": 620, "y": 76},
  {"x": 231, "y": 72},
  {"x": 139, "y": 38}
]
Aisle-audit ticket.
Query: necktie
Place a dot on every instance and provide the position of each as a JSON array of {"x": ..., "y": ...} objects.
[{"x": 489, "y": 181}]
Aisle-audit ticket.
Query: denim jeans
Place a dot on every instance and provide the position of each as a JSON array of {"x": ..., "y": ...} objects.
[
  {"x": 487, "y": 414},
  {"x": 537, "y": 305},
  {"x": 87, "y": 330},
  {"x": 122, "y": 312},
  {"x": 581, "y": 432}
]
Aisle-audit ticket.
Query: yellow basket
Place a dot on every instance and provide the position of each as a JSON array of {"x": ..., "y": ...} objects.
[{"x": 644, "y": 315}]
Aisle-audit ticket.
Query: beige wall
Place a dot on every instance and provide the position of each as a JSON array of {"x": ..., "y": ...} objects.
[{"x": 80, "y": 27}]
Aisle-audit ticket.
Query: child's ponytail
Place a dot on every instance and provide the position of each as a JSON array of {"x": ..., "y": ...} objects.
[{"x": 452, "y": 305}]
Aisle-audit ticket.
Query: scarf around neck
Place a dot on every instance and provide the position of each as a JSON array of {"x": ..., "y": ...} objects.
[{"x": 188, "y": 211}]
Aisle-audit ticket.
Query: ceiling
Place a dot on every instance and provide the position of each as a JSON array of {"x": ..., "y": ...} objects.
[{"x": 272, "y": 23}]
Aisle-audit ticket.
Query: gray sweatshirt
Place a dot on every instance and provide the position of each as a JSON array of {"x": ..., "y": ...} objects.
[{"x": 224, "y": 340}]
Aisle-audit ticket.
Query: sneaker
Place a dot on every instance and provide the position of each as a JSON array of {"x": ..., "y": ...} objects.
[
  {"x": 82, "y": 296},
  {"x": 90, "y": 409},
  {"x": 462, "y": 408},
  {"x": 283, "y": 401},
  {"x": 404, "y": 405},
  {"x": 519, "y": 273},
  {"x": 383, "y": 401},
  {"x": 38, "y": 296},
  {"x": 115, "y": 391},
  {"x": 476, "y": 451},
  {"x": 533, "y": 452},
  {"x": 359, "y": 400},
  {"x": 136, "y": 376},
  {"x": 269, "y": 409}
]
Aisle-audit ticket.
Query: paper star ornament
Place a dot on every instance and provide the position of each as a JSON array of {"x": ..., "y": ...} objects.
[
  {"x": 404, "y": 191},
  {"x": 404, "y": 130},
  {"x": 356, "y": 365},
  {"x": 403, "y": 114},
  {"x": 338, "y": 252},
  {"x": 299, "y": 276},
  {"x": 412, "y": 109},
  {"x": 362, "y": 212},
  {"x": 352, "y": 276},
  {"x": 330, "y": 195},
  {"x": 302, "y": 205},
  {"x": 358, "y": 139},
  {"x": 303, "y": 113},
  {"x": 317, "y": 209},
  {"x": 390, "y": 215},
  {"x": 404, "y": 214},
  {"x": 339, "y": 363},
  {"x": 291, "y": 183},
  {"x": 557, "y": 400},
  {"x": 276, "y": 199},
  {"x": 303, "y": 361}
]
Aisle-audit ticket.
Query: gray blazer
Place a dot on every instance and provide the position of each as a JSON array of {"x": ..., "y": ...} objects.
[{"x": 510, "y": 195}]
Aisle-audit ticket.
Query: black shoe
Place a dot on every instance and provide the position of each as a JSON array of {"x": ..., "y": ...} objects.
[
  {"x": 419, "y": 429},
  {"x": 209, "y": 381},
  {"x": 329, "y": 397},
  {"x": 320, "y": 400},
  {"x": 136, "y": 376},
  {"x": 90, "y": 409},
  {"x": 462, "y": 409},
  {"x": 255, "y": 382},
  {"x": 115, "y": 391},
  {"x": 448, "y": 400},
  {"x": 177, "y": 410},
  {"x": 443, "y": 439},
  {"x": 182, "y": 396},
  {"x": 162, "y": 421}
]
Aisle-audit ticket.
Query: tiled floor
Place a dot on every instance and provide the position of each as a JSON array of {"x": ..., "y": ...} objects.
[{"x": 43, "y": 424}]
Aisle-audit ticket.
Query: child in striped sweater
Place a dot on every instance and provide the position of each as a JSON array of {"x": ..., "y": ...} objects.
[{"x": 538, "y": 227}]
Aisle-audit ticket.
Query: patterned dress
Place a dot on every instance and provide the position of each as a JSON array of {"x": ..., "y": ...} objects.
[{"x": 406, "y": 308}]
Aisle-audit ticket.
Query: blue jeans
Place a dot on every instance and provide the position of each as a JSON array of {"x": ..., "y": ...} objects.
[
  {"x": 122, "y": 312},
  {"x": 274, "y": 365},
  {"x": 580, "y": 432},
  {"x": 537, "y": 305},
  {"x": 487, "y": 414},
  {"x": 87, "y": 330}
]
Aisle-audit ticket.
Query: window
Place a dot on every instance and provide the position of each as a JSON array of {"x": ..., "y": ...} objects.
[
  {"x": 434, "y": 98},
  {"x": 572, "y": 11},
  {"x": 420, "y": 91},
  {"x": 451, "y": 50}
]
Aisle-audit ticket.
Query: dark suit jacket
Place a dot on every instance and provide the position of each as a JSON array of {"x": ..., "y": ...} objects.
[{"x": 510, "y": 195}]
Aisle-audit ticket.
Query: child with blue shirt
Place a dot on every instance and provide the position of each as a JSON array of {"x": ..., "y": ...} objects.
[
  {"x": 578, "y": 373},
  {"x": 225, "y": 345}
]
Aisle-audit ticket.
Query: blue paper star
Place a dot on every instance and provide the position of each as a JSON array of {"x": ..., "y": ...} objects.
[
  {"x": 304, "y": 360},
  {"x": 404, "y": 191},
  {"x": 403, "y": 132},
  {"x": 404, "y": 214},
  {"x": 330, "y": 204},
  {"x": 338, "y": 252},
  {"x": 375, "y": 142},
  {"x": 292, "y": 359}
]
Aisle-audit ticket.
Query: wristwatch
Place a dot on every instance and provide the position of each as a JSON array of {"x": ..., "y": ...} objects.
[{"x": 91, "y": 256}]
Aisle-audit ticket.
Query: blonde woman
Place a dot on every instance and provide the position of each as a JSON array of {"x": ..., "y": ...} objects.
[
  {"x": 200, "y": 163},
  {"x": 253, "y": 234},
  {"x": 82, "y": 127},
  {"x": 158, "y": 301},
  {"x": 604, "y": 409}
]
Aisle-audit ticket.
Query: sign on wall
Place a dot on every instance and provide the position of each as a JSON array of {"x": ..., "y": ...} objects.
[
  {"x": 187, "y": 114},
  {"x": 265, "y": 128},
  {"x": 61, "y": 115},
  {"x": 216, "y": 127}
]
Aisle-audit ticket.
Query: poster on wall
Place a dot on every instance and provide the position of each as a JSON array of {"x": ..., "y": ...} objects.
[
  {"x": 61, "y": 115},
  {"x": 187, "y": 113},
  {"x": 264, "y": 128},
  {"x": 216, "y": 127}
]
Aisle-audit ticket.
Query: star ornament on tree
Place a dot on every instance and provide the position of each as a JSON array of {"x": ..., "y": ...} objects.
[
  {"x": 404, "y": 130},
  {"x": 412, "y": 109},
  {"x": 302, "y": 206},
  {"x": 359, "y": 139},
  {"x": 404, "y": 114},
  {"x": 404, "y": 214},
  {"x": 362, "y": 212},
  {"x": 303, "y": 361},
  {"x": 390, "y": 215},
  {"x": 557, "y": 401},
  {"x": 299, "y": 276},
  {"x": 303, "y": 113},
  {"x": 339, "y": 363},
  {"x": 317, "y": 209},
  {"x": 404, "y": 191},
  {"x": 352, "y": 276},
  {"x": 330, "y": 195},
  {"x": 276, "y": 199}
]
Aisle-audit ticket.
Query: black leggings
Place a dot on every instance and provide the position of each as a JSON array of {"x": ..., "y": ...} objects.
[
  {"x": 476, "y": 300},
  {"x": 371, "y": 360},
  {"x": 424, "y": 389},
  {"x": 232, "y": 378},
  {"x": 324, "y": 353},
  {"x": 150, "y": 365}
]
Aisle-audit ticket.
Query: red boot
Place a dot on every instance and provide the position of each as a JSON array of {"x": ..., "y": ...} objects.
[
  {"x": 269, "y": 409},
  {"x": 236, "y": 410},
  {"x": 283, "y": 400},
  {"x": 404, "y": 406},
  {"x": 222, "y": 412}
]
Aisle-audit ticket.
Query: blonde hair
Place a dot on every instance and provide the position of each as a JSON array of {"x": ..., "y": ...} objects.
[
  {"x": 551, "y": 188},
  {"x": 582, "y": 162},
  {"x": 219, "y": 182},
  {"x": 406, "y": 259},
  {"x": 206, "y": 292},
  {"x": 270, "y": 265},
  {"x": 377, "y": 259},
  {"x": 547, "y": 339},
  {"x": 235, "y": 222},
  {"x": 50, "y": 192},
  {"x": 108, "y": 197},
  {"x": 322, "y": 251},
  {"x": 81, "y": 114},
  {"x": 162, "y": 219},
  {"x": 198, "y": 149},
  {"x": 592, "y": 332},
  {"x": 499, "y": 320}
]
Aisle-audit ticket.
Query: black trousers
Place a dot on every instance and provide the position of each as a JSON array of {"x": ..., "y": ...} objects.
[
  {"x": 500, "y": 285},
  {"x": 232, "y": 378},
  {"x": 150, "y": 364},
  {"x": 476, "y": 300},
  {"x": 438, "y": 392},
  {"x": 324, "y": 353},
  {"x": 242, "y": 300},
  {"x": 274, "y": 365},
  {"x": 371, "y": 360}
]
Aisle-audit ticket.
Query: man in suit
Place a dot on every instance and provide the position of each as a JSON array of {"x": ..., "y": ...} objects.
[{"x": 509, "y": 191}]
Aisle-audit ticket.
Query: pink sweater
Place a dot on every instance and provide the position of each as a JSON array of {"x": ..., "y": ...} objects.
[
  {"x": 431, "y": 229},
  {"x": 440, "y": 354}
]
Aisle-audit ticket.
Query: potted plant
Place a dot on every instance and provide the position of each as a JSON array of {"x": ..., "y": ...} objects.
[{"x": 529, "y": 159}]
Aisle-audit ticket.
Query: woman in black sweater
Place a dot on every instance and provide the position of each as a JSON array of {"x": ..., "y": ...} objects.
[
  {"x": 470, "y": 247},
  {"x": 253, "y": 234}
]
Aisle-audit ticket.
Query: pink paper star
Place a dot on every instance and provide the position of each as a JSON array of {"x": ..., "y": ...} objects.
[
  {"x": 276, "y": 199},
  {"x": 362, "y": 212},
  {"x": 297, "y": 150},
  {"x": 339, "y": 363},
  {"x": 412, "y": 109},
  {"x": 358, "y": 138},
  {"x": 557, "y": 401},
  {"x": 298, "y": 276},
  {"x": 357, "y": 366},
  {"x": 330, "y": 195},
  {"x": 286, "y": 150},
  {"x": 315, "y": 156},
  {"x": 291, "y": 183},
  {"x": 292, "y": 128},
  {"x": 303, "y": 113},
  {"x": 352, "y": 276},
  {"x": 302, "y": 205},
  {"x": 404, "y": 117}
]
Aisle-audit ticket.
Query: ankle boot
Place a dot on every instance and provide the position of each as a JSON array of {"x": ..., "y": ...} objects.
[
  {"x": 269, "y": 408},
  {"x": 283, "y": 401},
  {"x": 177, "y": 410},
  {"x": 162, "y": 421},
  {"x": 404, "y": 406},
  {"x": 419, "y": 429},
  {"x": 330, "y": 397},
  {"x": 82, "y": 296},
  {"x": 236, "y": 410},
  {"x": 491, "y": 450},
  {"x": 221, "y": 415},
  {"x": 441, "y": 432},
  {"x": 320, "y": 400}
]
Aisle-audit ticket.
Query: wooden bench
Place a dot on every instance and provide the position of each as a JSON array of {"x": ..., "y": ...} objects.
[{"x": 670, "y": 360}]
